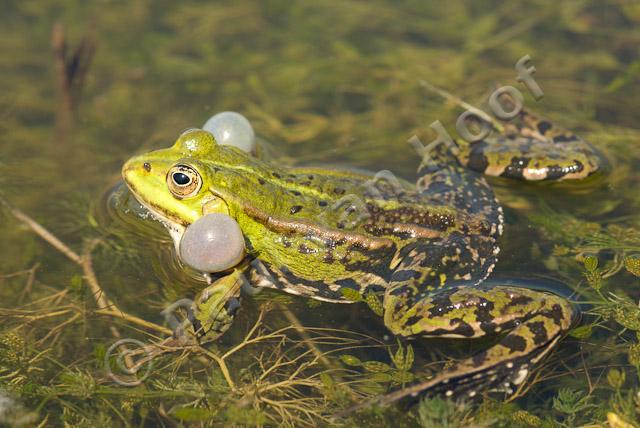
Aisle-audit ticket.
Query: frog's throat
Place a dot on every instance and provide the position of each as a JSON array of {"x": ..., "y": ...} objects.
[{"x": 176, "y": 230}]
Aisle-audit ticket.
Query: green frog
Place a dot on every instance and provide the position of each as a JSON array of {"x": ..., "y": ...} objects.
[{"x": 418, "y": 253}]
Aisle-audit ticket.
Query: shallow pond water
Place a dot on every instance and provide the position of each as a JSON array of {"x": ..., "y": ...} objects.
[{"x": 330, "y": 83}]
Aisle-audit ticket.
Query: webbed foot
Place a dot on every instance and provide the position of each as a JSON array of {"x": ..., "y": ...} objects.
[{"x": 215, "y": 307}]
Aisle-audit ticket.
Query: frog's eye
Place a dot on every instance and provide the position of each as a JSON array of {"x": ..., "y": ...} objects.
[{"x": 183, "y": 181}]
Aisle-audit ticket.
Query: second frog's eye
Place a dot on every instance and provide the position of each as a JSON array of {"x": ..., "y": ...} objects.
[{"x": 183, "y": 181}]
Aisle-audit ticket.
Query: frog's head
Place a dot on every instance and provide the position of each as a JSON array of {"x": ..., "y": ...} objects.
[{"x": 173, "y": 183}]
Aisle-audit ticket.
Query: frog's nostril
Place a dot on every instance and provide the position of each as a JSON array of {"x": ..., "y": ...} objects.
[{"x": 147, "y": 166}]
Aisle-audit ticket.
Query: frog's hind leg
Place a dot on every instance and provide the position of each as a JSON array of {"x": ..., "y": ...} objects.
[
  {"x": 468, "y": 252},
  {"x": 530, "y": 321},
  {"x": 531, "y": 148}
]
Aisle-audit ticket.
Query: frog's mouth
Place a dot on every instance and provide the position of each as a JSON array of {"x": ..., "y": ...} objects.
[{"x": 176, "y": 230}]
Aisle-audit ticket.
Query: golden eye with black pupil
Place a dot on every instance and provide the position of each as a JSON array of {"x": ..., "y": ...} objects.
[{"x": 183, "y": 181}]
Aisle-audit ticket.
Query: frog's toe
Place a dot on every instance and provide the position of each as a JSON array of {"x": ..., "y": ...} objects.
[{"x": 532, "y": 159}]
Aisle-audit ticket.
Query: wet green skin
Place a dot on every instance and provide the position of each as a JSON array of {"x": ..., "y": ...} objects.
[{"x": 417, "y": 254}]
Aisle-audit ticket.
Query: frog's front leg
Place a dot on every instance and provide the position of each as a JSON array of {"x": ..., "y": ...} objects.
[
  {"x": 532, "y": 323},
  {"x": 215, "y": 307}
]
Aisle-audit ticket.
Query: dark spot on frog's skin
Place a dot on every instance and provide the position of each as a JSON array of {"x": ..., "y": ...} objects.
[
  {"x": 556, "y": 314},
  {"x": 576, "y": 167},
  {"x": 303, "y": 249},
  {"x": 405, "y": 275},
  {"x": 519, "y": 301},
  {"x": 285, "y": 270},
  {"x": 544, "y": 126},
  {"x": 310, "y": 177},
  {"x": 479, "y": 358},
  {"x": 340, "y": 225},
  {"x": 296, "y": 193},
  {"x": 555, "y": 172},
  {"x": 514, "y": 343},
  {"x": 276, "y": 175},
  {"x": 440, "y": 310},
  {"x": 539, "y": 332},
  {"x": 414, "y": 319},
  {"x": 328, "y": 257},
  {"x": 286, "y": 242},
  {"x": 484, "y": 310},
  {"x": 442, "y": 304},
  {"x": 462, "y": 328},
  {"x": 516, "y": 167},
  {"x": 488, "y": 327},
  {"x": 477, "y": 160},
  {"x": 294, "y": 209},
  {"x": 350, "y": 209},
  {"x": 261, "y": 181},
  {"x": 323, "y": 203},
  {"x": 348, "y": 283},
  {"x": 378, "y": 264},
  {"x": 563, "y": 139},
  {"x": 147, "y": 166},
  {"x": 339, "y": 191}
]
